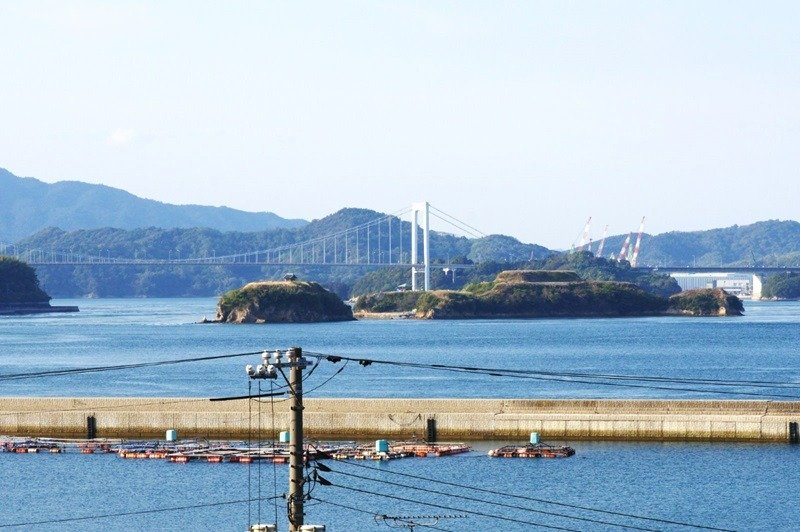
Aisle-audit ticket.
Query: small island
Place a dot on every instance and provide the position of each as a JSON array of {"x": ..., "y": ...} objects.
[
  {"x": 288, "y": 301},
  {"x": 545, "y": 294},
  {"x": 20, "y": 292},
  {"x": 706, "y": 302}
]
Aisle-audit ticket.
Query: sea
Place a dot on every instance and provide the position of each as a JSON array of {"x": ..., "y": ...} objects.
[{"x": 605, "y": 486}]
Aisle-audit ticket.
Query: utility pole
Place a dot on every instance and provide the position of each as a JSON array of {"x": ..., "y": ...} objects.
[
  {"x": 296, "y": 363},
  {"x": 269, "y": 369}
]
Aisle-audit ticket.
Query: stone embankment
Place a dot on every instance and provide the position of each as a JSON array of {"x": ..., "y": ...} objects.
[{"x": 455, "y": 419}]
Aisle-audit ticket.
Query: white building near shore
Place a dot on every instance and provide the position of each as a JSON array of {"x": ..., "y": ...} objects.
[{"x": 738, "y": 284}]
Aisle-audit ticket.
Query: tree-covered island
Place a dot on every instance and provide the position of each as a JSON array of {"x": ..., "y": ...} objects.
[
  {"x": 288, "y": 301},
  {"x": 545, "y": 294},
  {"x": 20, "y": 292}
]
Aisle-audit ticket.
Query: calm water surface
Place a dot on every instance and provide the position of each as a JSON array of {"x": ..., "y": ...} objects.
[{"x": 738, "y": 486}]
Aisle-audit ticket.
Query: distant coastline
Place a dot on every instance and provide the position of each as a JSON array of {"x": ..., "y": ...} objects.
[{"x": 20, "y": 309}]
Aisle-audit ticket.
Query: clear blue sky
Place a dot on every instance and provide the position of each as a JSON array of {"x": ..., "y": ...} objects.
[{"x": 521, "y": 118}]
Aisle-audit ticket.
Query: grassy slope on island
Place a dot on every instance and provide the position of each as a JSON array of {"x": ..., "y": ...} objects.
[
  {"x": 523, "y": 299},
  {"x": 282, "y": 301},
  {"x": 524, "y": 293},
  {"x": 19, "y": 284}
]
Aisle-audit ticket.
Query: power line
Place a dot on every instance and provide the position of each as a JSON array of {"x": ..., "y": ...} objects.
[
  {"x": 123, "y": 514},
  {"x": 626, "y": 381},
  {"x": 359, "y": 510},
  {"x": 532, "y": 499},
  {"x": 453, "y": 509},
  {"x": 501, "y": 504},
  {"x": 720, "y": 382},
  {"x": 567, "y": 377},
  {"x": 119, "y": 367}
]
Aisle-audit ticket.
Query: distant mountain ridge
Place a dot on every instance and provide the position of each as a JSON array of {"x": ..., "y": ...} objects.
[
  {"x": 169, "y": 281},
  {"x": 766, "y": 243},
  {"x": 29, "y": 205}
]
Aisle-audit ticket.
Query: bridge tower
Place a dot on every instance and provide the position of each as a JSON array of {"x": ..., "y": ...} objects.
[{"x": 424, "y": 208}]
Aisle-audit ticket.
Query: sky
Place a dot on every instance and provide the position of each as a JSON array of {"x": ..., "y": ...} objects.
[{"x": 521, "y": 118}]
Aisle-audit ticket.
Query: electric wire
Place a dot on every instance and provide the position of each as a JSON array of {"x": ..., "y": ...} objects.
[
  {"x": 123, "y": 514},
  {"x": 353, "y": 508},
  {"x": 329, "y": 379},
  {"x": 454, "y": 509},
  {"x": 119, "y": 367},
  {"x": 572, "y": 377},
  {"x": 754, "y": 383},
  {"x": 532, "y": 499},
  {"x": 258, "y": 469},
  {"x": 249, "y": 446},
  {"x": 274, "y": 465},
  {"x": 557, "y": 377},
  {"x": 494, "y": 503}
]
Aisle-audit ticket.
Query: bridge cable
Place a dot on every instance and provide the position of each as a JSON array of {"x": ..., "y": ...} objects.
[
  {"x": 457, "y": 220},
  {"x": 470, "y": 233}
]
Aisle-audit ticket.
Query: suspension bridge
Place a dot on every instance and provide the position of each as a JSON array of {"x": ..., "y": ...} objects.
[{"x": 382, "y": 242}]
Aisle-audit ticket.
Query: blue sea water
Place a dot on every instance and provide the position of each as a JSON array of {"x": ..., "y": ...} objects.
[{"x": 733, "y": 486}]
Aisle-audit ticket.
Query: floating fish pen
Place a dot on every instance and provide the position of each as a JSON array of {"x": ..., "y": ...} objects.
[
  {"x": 534, "y": 449},
  {"x": 384, "y": 450},
  {"x": 217, "y": 452},
  {"x": 541, "y": 450},
  {"x": 55, "y": 446},
  {"x": 423, "y": 450}
]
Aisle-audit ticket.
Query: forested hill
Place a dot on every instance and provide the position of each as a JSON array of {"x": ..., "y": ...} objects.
[
  {"x": 768, "y": 243},
  {"x": 29, "y": 205},
  {"x": 156, "y": 243}
]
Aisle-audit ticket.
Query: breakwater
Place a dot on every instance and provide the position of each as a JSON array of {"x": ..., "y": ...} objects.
[{"x": 462, "y": 419}]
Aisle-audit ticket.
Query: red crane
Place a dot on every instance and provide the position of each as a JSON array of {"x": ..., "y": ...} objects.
[
  {"x": 638, "y": 244},
  {"x": 602, "y": 243},
  {"x": 623, "y": 253}
]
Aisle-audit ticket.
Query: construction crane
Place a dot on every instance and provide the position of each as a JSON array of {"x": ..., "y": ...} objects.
[
  {"x": 584, "y": 235},
  {"x": 602, "y": 242},
  {"x": 623, "y": 253},
  {"x": 638, "y": 245}
]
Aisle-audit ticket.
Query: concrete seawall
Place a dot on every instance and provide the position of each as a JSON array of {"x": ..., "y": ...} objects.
[{"x": 455, "y": 419}]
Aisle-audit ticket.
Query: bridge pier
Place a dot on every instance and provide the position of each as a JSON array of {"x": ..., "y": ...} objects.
[
  {"x": 757, "y": 286},
  {"x": 424, "y": 208}
]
